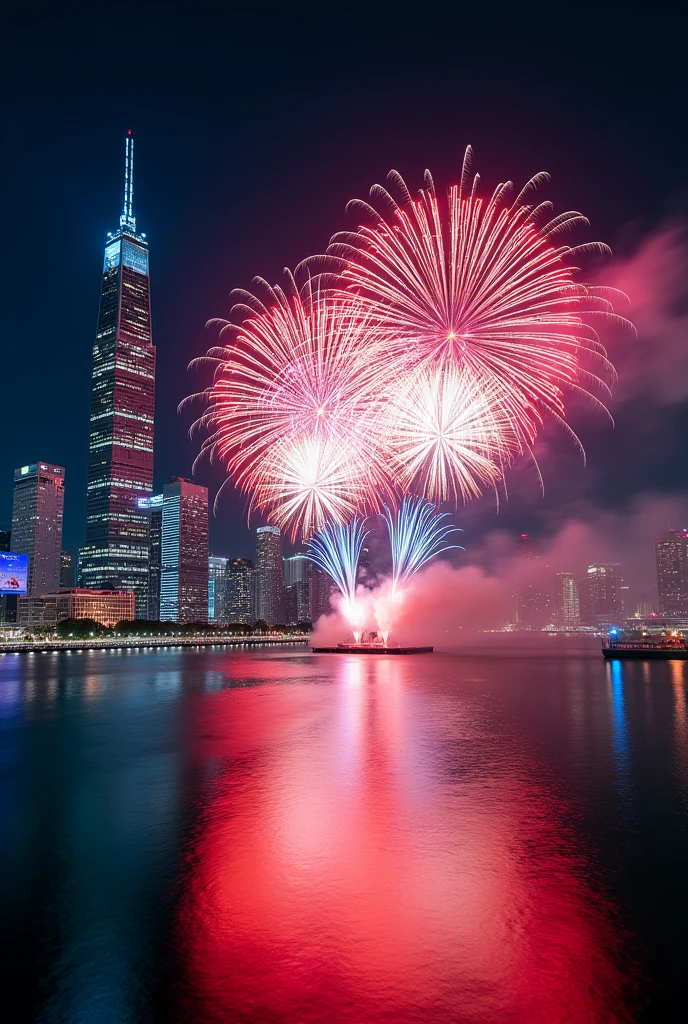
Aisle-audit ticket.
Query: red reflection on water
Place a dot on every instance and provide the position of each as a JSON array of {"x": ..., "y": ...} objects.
[{"x": 371, "y": 852}]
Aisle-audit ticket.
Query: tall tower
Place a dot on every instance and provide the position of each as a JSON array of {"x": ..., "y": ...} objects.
[
  {"x": 37, "y": 523},
  {"x": 270, "y": 574},
  {"x": 120, "y": 463}
]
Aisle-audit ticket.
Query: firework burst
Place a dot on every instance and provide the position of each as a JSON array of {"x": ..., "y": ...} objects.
[
  {"x": 290, "y": 411},
  {"x": 336, "y": 549},
  {"x": 485, "y": 288},
  {"x": 417, "y": 532}
]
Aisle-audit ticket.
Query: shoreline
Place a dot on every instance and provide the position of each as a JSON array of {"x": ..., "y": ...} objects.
[{"x": 133, "y": 643}]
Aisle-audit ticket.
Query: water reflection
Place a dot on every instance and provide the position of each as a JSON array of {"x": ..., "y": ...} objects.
[{"x": 391, "y": 853}]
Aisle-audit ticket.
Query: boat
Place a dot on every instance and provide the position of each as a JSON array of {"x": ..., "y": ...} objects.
[{"x": 670, "y": 645}]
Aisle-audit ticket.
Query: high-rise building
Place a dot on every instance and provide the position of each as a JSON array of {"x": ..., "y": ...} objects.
[
  {"x": 120, "y": 463},
  {"x": 37, "y": 523},
  {"x": 153, "y": 507},
  {"x": 66, "y": 571},
  {"x": 217, "y": 590},
  {"x": 566, "y": 606},
  {"x": 5, "y": 537},
  {"x": 321, "y": 590},
  {"x": 671, "y": 553},
  {"x": 184, "y": 585},
  {"x": 297, "y": 580},
  {"x": 240, "y": 585},
  {"x": 533, "y": 604},
  {"x": 270, "y": 574},
  {"x": 599, "y": 594}
]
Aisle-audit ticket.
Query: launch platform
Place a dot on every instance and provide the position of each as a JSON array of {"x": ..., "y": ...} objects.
[{"x": 370, "y": 649}]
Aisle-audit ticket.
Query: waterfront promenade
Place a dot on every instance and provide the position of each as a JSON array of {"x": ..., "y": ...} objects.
[{"x": 110, "y": 643}]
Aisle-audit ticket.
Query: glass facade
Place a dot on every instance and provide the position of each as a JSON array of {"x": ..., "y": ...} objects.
[
  {"x": 37, "y": 523},
  {"x": 120, "y": 467},
  {"x": 184, "y": 575},
  {"x": 240, "y": 586},
  {"x": 270, "y": 574},
  {"x": 217, "y": 590}
]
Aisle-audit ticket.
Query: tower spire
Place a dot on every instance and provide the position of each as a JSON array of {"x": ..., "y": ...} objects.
[{"x": 127, "y": 219}]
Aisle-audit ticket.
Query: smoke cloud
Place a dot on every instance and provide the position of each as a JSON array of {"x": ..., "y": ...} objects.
[{"x": 452, "y": 601}]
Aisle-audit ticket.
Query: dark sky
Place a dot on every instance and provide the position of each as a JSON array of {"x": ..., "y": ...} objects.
[{"x": 254, "y": 127}]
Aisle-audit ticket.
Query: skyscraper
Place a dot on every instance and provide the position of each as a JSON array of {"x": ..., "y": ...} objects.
[
  {"x": 566, "y": 606},
  {"x": 120, "y": 463},
  {"x": 321, "y": 590},
  {"x": 297, "y": 577},
  {"x": 153, "y": 507},
  {"x": 184, "y": 586},
  {"x": 270, "y": 574},
  {"x": 217, "y": 590},
  {"x": 37, "y": 523},
  {"x": 671, "y": 553},
  {"x": 240, "y": 579},
  {"x": 600, "y": 595}
]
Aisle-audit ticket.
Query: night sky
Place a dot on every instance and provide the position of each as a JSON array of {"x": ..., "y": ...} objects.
[{"x": 254, "y": 128}]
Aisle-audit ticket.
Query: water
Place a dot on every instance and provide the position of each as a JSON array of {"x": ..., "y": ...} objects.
[{"x": 272, "y": 836}]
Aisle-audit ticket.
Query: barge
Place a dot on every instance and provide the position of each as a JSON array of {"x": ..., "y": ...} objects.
[{"x": 370, "y": 649}]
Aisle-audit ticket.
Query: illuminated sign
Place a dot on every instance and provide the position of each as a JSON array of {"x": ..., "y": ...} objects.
[
  {"x": 14, "y": 573},
  {"x": 155, "y": 501}
]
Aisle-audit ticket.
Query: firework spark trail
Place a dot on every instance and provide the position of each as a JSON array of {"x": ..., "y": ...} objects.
[
  {"x": 417, "y": 532},
  {"x": 295, "y": 392},
  {"x": 336, "y": 549}
]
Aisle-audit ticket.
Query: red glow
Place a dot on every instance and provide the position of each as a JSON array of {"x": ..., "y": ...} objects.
[{"x": 342, "y": 873}]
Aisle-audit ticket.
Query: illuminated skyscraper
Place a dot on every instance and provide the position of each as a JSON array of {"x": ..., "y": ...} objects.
[
  {"x": 184, "y": 586},
  {"x": 120, "y": 464},
  {"x": 599, "y": 594},
  {"x": 270, "y": 574},
  {"x": 566, "y": 607},
  {"x": 671, "y": 552},
  {"x": 217, "y": 590},
  {"x": 37, "y": 523},
  {"x": 240, "y": 586},
  {"x": 66, "y": 571},
  {"x": 153, "y": 506},
  {"x": 297, "y": 579}
]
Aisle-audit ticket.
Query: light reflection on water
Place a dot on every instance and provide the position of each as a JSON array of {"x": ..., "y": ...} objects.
[{"x": 212, "y": 836}]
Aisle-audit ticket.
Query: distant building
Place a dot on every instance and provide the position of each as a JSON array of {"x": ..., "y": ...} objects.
[
  {"x": 217, "y": 590},
  {"x": 322, "y": 588},
  {"x": 533, "y": 603},
  {"x": 671, "y": 553},
  {"x": 37, "y": 523},
  {"x": 297, "y": 580},
  {"x": 66, "y": 571},
  {"x": 240, "y": 588},
  {"x": 105, "y": 606},
  {"x": 8, "y": 603},
  {"x": 184, "y": 584},
  {"x": 5, "y": 536},
  {"x": 120, "y": 462},
  {"x": 566, "y": 605},
  {"x": 269, "y": 575},
  {"x": 600, "y": 595}
]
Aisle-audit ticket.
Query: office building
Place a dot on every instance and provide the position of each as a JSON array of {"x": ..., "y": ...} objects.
[
  {"x": 599, "y": 595},
  {"x": 217, "y": 590},
  {"x": 37, "y": 523},
  {"x": 5, "y": 536},
  {"x": 105, "y": 606},
  {"x": 184, "y": 581},
  {"x": 269, "y": 575},
  {"x": 241, "y": 576},
  {"x": 533, "y": 603},
  {"x": 66, "y": 571},
  {"x": 297, "y": 586},
  {"x": 322, "y": 587},
  {"x": 120, "y": 463},
  {"x": 671, "y": 553},
  {"x": 566, "y": 605},
  {"x": 153, "y": 507}
]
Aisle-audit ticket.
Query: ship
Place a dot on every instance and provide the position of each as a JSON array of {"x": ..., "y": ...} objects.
[{"x": 669, "y": 645}]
